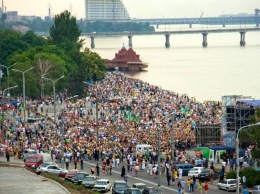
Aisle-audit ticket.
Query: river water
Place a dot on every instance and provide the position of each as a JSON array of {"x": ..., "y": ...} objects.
[{"x": 223, "y": 68}]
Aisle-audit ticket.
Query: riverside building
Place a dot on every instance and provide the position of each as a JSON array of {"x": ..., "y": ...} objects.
[{"x": 105, "y": 10}]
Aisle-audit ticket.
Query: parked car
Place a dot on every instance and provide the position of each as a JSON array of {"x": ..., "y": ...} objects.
[
  {"x": 54, "y": 169},
  {"x": 139, "y": 186},
  {"x": 229, "y": 185},
  {"x": 89, "y": 181},
  {"x": 195, "y": 171},
  {"x": 102, "y": 185},
  {"x": 34, "y": 118},
  {"x": 151, "y": 190},
  {"x": 71, "y": 174},
  {"x": 33, "y": 161},
  {"x": 256, "y": 189},
  {"x": 119, "y": 187},
  {"x": 28, "y": 152},
  {"x": 185, "y": 168},
  {"x": 79, "y": 177},
  {"x": 132, "y": 191},
  {"x": 204, "y": 175},
  {"x": 44, "y": 165}
]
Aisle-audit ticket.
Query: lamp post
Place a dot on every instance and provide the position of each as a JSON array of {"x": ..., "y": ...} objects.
[
  {"x": 237, "y": 152},
  {"x": 62, "y": 130},
  {"x": 7, "y": 72},
  {"x": 54, "y": 93},
  {"x": 3, "y": 114},
  {"x": 23, "y": 72}
]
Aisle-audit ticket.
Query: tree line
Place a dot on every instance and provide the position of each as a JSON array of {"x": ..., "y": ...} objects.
[{"x": 54, "y": 56}]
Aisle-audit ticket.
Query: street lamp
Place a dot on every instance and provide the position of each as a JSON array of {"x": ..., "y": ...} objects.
[
  {"x": 237, "y": 152},
  {"x": 54, "y": 93},
  {"x": 7, "y": 71},
  {"x": 3, "y": 114},
  {"x": 62, "y": 130},
  {"x": 23, "y": 72}
]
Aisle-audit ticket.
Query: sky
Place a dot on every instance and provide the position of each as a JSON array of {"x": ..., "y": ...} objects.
[{"x": 139, "y": 8}]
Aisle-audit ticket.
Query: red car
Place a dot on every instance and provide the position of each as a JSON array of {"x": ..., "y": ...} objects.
[{"x": 71, "y": 174}]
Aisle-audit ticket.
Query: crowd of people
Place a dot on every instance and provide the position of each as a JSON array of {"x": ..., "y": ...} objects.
[{"x": 117, "y": 114}]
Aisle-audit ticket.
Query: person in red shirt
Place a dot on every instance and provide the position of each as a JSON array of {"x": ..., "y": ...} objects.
[{"x": 206, "y": 187}]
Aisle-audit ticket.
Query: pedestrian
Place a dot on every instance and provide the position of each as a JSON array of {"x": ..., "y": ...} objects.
[
  {"x": 125, "y": 178},
  {"x": 92, "y": 170},
  {"x": 179, "y": 187},
  {"x": 188, "y": 185},
  {"x": 75, "y": 162},
  {"x": 194, "y": 181},
  {"x": 211, "y": 176},
  {"x": 123, "y": 171},
  {"x": 97, "y": 170},
  {"x": 67, "y": 162},
  {"x": 180, "y": 173},
  {"x": 183, "y": 186},
  {"x": 7, "y": 155},
  {"x": 191, "y": 185},
  {"x": 221, "y": 176},
  {"x": 206, "y": 187},
  {"x": 168, "y": 176},
  {"x": 81, "y": 163},
  {"x": 245, "y": 191},
  {"x": 128, "y": 165},
  {"x": 200, "y": 187},
  {"x": 244, "y": 181},
  {"x": 110, "y": 169}
]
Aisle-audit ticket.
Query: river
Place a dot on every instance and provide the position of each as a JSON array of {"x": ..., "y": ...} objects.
[{"x": 223, "y": 68}]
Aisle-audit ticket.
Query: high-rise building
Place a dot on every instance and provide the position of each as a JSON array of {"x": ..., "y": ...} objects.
[{"x": 104, "y": 10}]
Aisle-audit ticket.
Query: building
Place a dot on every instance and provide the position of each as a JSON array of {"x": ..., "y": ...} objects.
[
  {"x": 126, "y": 60},
  {"x": 105, "y": 10}
]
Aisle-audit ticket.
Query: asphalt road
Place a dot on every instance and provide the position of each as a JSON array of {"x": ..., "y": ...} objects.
[{"x": 17, "y": 180}]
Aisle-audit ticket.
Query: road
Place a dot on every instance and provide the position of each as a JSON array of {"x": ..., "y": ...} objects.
[{"x": 17, "y": 180}]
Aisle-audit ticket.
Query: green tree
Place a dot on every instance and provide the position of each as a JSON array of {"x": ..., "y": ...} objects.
[{"x": 65, "y": 31}]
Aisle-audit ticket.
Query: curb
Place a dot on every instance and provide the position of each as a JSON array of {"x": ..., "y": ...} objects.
[
  {"x": 11, "y": 164},
  {"x": 49, "y": 180}
]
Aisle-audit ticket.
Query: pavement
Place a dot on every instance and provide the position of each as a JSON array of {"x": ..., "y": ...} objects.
[{"x": 15, "y": 179}]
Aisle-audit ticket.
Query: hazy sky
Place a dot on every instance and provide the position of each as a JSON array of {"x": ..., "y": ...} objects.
[{"x": 139, "y": 8}]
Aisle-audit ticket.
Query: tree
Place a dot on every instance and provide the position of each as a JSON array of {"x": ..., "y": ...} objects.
[
  {"x": 65, "y": 30},
  {"x": 253, "y": 135}
]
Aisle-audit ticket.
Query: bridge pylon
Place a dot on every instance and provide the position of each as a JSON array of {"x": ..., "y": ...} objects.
[
  {"x": 167, "y": 39},
  {"x": 242, "y": 38},
  {"x": 92, "y": 37},
  {"x": 204, "y": 39}
]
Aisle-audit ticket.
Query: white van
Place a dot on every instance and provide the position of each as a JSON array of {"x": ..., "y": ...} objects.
[{"x": 141, "y": 148}]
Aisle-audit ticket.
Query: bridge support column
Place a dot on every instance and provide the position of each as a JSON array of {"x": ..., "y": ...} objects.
[
  {"x": 224, "y": 25},
  {"x": 167, "y": 40},
  {"x": 257, "y": 24},
  {"x": 92, "y": 37},
  {"x": 204, "y": 41},
  {"x": 130, "y": 44},
  {"x": 242, "y": 38},
  {"x": 190, "y": 25},
  {"x": 157, "y": 26}
]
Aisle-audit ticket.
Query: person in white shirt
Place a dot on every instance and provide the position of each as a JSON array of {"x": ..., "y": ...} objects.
[{"x": 117, "y": 162}]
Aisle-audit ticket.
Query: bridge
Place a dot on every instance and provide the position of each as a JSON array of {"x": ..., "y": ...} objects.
[
  {"x": 167, "y": 34},
  {"x": 253, "y": 19}
]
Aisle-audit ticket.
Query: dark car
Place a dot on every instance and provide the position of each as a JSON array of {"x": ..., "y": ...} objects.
[
  {"x": 79, "y": 177},
  {"x": 151, "y": 190},
  {"x": 34, "y": 118},
  {"x": 119, "y": 187},
  {"x": 205, "y": 175},
  {"x": 132, "y": 191}
]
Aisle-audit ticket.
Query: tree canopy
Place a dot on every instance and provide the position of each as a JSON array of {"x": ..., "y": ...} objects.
[{"x": 51, "y": 57}]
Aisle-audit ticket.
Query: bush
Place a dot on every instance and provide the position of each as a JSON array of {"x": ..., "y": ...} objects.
[{"x": 252, "y": 176}]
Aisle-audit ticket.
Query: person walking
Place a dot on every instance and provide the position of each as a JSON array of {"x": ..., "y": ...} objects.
[
  {"x": 180, "y": 173},
  {"x": 7, "y": 155},
  {"x": 179, "y": 187},
  {"x": 183, "y": 186},
  {"x": 168, "y": 177},
  {"x": 194, "y": 182},
  {"x": 221, "y": 176},
  {"x": 75, "y": 162},
  {"x": 206, "y": 187},
  {"x": 97, "y": 170},
  {"x": 200, "y": 187},
  {"x": 67, "y": 162},
  {"x": 123, "y": 171},
  {"x": 188, "y": 185},
  {"x": 191, "y": 185},
  {"x": 81, "y": 163},
  {"x": 244, "y": 181}
]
